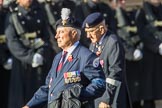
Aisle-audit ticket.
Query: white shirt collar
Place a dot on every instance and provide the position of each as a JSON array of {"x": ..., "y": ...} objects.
[{"x": 71, "y": 49}]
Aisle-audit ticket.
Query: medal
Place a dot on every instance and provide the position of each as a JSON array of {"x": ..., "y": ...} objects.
[
  {"x": 99, "y": 50},
  {"x": 72, "y": 77}
]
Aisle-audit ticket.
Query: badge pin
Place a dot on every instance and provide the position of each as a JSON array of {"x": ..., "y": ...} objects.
[
  {"x": 87, "y": 25},
  {"x": 72, "y": 77}
]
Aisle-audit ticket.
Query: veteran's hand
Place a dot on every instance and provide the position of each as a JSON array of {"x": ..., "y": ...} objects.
[
  {"x": 25, "y": 107},
  {"x": 104, "y": 105}
]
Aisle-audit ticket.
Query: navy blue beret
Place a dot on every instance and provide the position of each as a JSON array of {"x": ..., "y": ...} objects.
[{"x": 92, "y": 20}]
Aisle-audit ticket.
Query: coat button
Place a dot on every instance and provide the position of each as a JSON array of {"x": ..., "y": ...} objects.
[
  {"x": 23, "y": 22},
  {"x": 35, "y": 12}
]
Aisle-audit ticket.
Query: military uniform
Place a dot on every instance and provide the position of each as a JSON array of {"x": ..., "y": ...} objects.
[
  {"x": 52, "y": 14},
  {"x": 151, "y": 77},
  {"x": 27, "y": 34},
  {"x": 84, "y": 71},
  {"x": 54, "y": 87},
  {"x": 111, "y": 55},
  {"x": 127, "y": 31},
  {"x": 149, "y": 29}
]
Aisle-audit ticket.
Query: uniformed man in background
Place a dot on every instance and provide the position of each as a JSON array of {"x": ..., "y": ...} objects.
[
  {"x": 127, "y": 31},
  {"x": 28, "y": 41},
  {"x": 149, "y": 23},
  {"x": 51, "y": 10}
]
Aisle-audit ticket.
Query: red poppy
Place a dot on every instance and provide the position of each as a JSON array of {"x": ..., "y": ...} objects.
[
  {"x": 70, "y": 58},
  {"x": 102, "y": 63}
]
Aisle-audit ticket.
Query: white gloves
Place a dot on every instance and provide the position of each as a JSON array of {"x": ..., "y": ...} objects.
[
  {"x": 137, "y": 55},
  {"x": 8, "y": 64},
  {"x": 37, "y": 60},
  {"x": 160, "y": 49}
]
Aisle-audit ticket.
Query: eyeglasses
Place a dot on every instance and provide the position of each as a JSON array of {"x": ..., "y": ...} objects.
[{"x": 91, "y": 30}]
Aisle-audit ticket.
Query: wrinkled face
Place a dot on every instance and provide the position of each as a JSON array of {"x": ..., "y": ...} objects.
[
  {"x": 65, "y": 37},
  {"x": 94, "y": 34},
  {"x": 25, "y": 3}
]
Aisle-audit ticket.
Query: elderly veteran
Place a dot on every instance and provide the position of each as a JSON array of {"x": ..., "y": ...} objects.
[
  {"x": 111, "y": 55},
  {"x": 74, "y": 80}
]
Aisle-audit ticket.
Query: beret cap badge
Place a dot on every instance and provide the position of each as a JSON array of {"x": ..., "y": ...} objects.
[
  {"x": 87, "y": 25},
  {"x": 64, "y": 22}
]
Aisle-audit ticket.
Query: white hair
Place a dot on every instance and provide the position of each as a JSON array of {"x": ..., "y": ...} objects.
[{"x": 78, "y": 33}]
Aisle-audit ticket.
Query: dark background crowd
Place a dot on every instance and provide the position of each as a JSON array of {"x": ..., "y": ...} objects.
[{"x": 26, "y": 59}]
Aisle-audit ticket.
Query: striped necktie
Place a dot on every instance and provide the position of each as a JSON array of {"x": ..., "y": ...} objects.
[{"x": 62, "y": 61}]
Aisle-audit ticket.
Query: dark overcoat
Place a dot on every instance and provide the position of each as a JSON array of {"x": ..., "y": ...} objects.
[
  {"x": 24, "y": 78},
  {"x": 151, "y": 76},
  {"x": 113, "y": 62},
  {"x": 92, "y": 78}
]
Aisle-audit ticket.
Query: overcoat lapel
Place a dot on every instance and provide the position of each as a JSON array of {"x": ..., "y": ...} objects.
[
  {"x": 57, "y": 60},
  {"x": 66, "y": 67},
  {"x": 54, "y": 73},
  {"x": 105, "y": 40}
]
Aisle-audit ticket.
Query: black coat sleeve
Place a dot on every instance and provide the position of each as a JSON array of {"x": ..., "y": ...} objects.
[
  {"x": 16, "y": 47},
  {"x": 144, "y": 30}
]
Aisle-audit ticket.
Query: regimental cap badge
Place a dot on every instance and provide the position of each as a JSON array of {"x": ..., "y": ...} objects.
[
  {"x": 65, "y": 14},
  {"x": 87, "y": 26}
]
